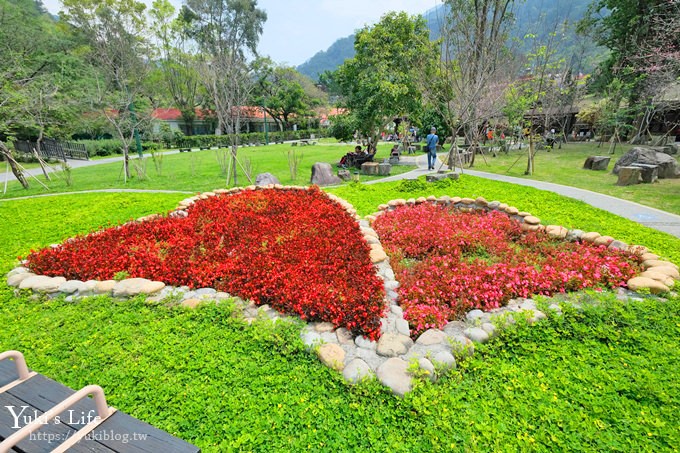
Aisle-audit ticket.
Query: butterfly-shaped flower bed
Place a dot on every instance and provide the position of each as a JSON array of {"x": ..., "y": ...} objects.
[
  {"x": 449, "y": 262},
  {"x": 296, "y": 250}
]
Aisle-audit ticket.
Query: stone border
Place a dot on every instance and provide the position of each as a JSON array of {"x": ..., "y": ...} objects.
[{"x": 435, "y": 351}]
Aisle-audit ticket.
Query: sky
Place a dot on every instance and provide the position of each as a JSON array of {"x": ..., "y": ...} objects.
[{"x": 297, "y": 29}]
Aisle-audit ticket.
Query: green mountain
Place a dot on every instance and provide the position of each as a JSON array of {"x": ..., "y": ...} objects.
[{"x": 536, "y": 17}]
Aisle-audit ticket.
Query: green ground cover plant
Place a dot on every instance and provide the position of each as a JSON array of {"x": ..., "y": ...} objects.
[
  {"x": 599, "y": 380},
  {"x": 199, "y": 171},
  {"x": 565, "y": 166}
]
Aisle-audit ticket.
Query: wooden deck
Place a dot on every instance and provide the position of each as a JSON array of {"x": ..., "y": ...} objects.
[{"x": 119, "y": 432}]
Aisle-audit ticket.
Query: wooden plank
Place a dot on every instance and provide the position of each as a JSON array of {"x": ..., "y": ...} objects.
[
  {"x": 47, "y": 438},
  {"x": 117, "y": 432},
  {"x": 8, "y": 372},
  {"x": 124, "y": 433}
]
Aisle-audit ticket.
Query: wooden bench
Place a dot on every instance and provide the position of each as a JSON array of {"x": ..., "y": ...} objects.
[{"x": 84, "y": 424}]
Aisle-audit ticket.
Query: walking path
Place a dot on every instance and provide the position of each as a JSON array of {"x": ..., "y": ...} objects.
[{"x": 644, "y": 215}]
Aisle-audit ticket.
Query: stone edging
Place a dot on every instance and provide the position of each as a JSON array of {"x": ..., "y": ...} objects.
[{"x": 359, "y": 358}]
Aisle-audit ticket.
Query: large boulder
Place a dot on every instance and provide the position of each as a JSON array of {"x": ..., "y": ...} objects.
[
  {"x": 668, "y": 166},
  {"x": 322, "y": 175},
  {"x": 264, "y": 179}
]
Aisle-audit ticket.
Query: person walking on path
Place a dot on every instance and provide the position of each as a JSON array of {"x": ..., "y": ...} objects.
[{"x": 431, "y": 144}]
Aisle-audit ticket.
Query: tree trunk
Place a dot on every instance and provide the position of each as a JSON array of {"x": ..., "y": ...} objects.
[
  {"x": 530, "y": 156},
  {"x": 36, "y": 152},
  {"x": 233, "y": 164},
  {"x": 13, "y": 165},
  {"x": 126, "y": 162}
]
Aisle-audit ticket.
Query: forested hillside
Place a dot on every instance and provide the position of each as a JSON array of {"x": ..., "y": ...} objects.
[{"x": 537, "y": 17}]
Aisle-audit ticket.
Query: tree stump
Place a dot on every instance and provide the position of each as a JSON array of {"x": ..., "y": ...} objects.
[
  {"x": 369, "y": 168},
  {"x": 384, "y": 169},
  {"x": 628, "y": 176}
]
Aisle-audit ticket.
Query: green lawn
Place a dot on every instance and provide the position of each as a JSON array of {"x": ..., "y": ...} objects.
[
  {"x": 199, "y": 171},
  {"x": 600, "y": 380},
  {"x": 565, "y": 166}
]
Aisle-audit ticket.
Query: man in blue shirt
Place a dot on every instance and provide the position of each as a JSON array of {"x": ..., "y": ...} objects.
[{"x": 431, "y": 144}]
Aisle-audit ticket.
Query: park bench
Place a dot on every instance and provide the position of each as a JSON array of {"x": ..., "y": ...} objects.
[
  {"x": 84, "y": 424},
  {"x": 358, "y": 161},
  {"x": 53, "y": 149}
]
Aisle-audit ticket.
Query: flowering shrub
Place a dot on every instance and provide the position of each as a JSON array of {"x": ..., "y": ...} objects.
[
  {"x": 295, "y": 250},
  {"x": 450, "y": 262}
]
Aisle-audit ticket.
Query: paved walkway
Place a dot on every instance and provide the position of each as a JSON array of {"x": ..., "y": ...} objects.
[{"x": 650, "y": 217}]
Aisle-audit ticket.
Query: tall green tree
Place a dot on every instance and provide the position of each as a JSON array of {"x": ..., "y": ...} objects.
[
  {"x": 227, "y": 32},
  {"x": 284, "y": 92},
  {"x": 645, "y": 49},
  {"x": 121, "y": 52},
  {"x": 40, "y": 72},
  {"x": 382, "y": 81},
  {"x": 178, "y": 62}
]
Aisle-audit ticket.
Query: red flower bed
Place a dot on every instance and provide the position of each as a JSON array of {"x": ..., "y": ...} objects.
[
  {"x": 450, "y": 262},
  {"x": 295, "y": 250}
]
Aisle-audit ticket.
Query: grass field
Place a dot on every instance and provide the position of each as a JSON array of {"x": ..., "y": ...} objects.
[
  {"x": 199, "y": 171},
  {"x": 565, "y": 166},
  {"x": 603, "y": 379}
]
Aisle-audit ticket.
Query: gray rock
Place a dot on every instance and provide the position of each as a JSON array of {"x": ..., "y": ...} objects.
[
  {"x": 16, "y": 279},
  {"x": 528, "y": 304},
  {"x": 391, "y": 285},
  {"x": 310, "y": 339},
  {"x": 329, "y": 337},
  {"x": 344, "y": 336},
  {"x": 477, "y": 335},
  {"x": 370, "y": 357},
  {"x": 18, "y": 270},
  {"x": 419, "y": 351},
  {"x": 489, "y": 328},
  {"x": 455, "y": 328},
  {"x": 392, "y": 345},
  {"x": 397, "y": 310},
  {"x": 426, "y": 365},
  {"x": 322, "y": 175},
  {"x": 446, "y": 359},
  {"x": 617, "y": 245},
  {"x": 403, "y": 327},
  {"x": 668, "y": 166},
  {"x": 364, "y": 343},
  {"x": 474, "y": 315},
  {"x": 536, "y": 316},
  {"x": 264, "y": 179},
  {"x": 356, "y": 371},
  {"x": 575, "y": 235},
  {"x": 431, "y": 336},
  {"x": 393, "y": 374},
  {"x": 134, "y": 286},
  {"x": 72, "y": 286},
  {"x": 205, "y": 292},
  {"x": 462, "y": 346},
  {"x": 42, "y": 283},
  {"x": 389, "y": 273},
  {"x": 324, "y": 327}
]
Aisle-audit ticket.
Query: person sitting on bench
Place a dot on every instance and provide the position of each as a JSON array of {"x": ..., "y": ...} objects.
[{"x": 349, "y": 157}]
